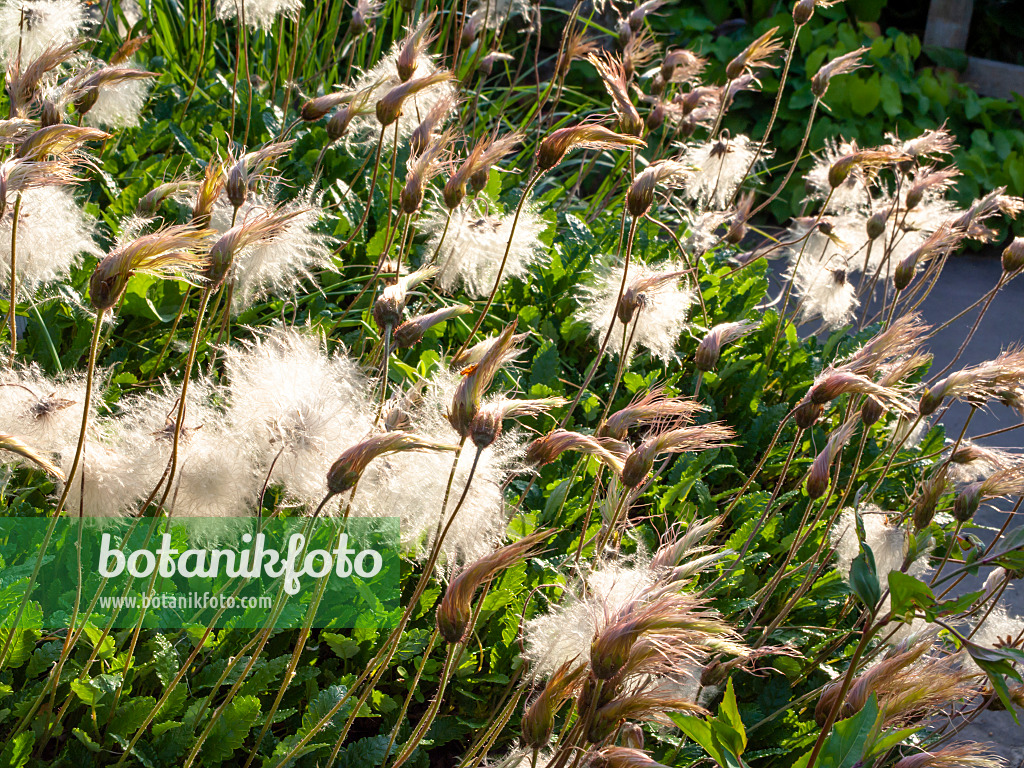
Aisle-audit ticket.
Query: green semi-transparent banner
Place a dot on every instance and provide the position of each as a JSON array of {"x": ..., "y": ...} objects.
[{"x": 221, "y": 572}]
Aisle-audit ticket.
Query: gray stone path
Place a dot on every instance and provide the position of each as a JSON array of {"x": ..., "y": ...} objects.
[{"x": 965, "y": 279}]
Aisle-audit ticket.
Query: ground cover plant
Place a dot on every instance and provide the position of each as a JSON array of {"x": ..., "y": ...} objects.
[{"x": 663, "y": 435}]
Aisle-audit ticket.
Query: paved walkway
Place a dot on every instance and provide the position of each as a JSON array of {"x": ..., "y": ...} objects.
[{"x": 963, "y": 281}]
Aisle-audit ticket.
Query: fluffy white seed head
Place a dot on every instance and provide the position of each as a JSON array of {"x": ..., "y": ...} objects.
[
  {"x": 258, "y": 14},
  {"x": 412, "y": 485},
  {"x": 277, "y": 266},
  {"x": 567, "y": 630},
  {"x": 119, "y": 104},
  {"x": 37, "y": 25},
  {"x": 659, "y": 319},
  {"x": 46, "y": 413},
  {"x": 472, "y": 250},
  {"x": 216, "y": 473},
  {"x": 888, "y": 543},
  {"x": 298, "y": 407},
  {"x": 53, "y": 233},
  {"x": 105, "y": 483},
  {"x": 720, "y": 167}
]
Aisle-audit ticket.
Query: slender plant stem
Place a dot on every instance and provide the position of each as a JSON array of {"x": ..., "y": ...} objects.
[{"x": 11, "y": 310}]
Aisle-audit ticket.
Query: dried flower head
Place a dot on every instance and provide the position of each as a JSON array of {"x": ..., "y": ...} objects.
[
  {"x": 1003, "y": 482},
  {"x": 613, "y": 75},
  {"x": 171, "y": 251},
  {"x": 477, "y": 166},
  {"x": 999, "y": 379},
  {"x": 840, "y": 65},
  {"x": 390, "y": 106},
  {"x": 477, "y": 379},
  {"x": 710, "y": 347},
  {"x": 556, "y": 145},
  {"x": 653, "y": 407},
  {"x": 57, "y": 140},
  {"x": 415, "y": 43},
  {"x": 681, "y": 66},
  {"x": 549, "y": 447},
  {"x": 699, "y": 437},
  {"x": 821, "y": 468},
  {"x": 349, "y": 467},
  {"x": 410, "y": 332},
  {"x": 456, "y": 607},
  {"x": 867, "y": 160},
  {"x": 538, "y": 722},
  {"x": 756, "y": 55},
  {"x": 662, "y": 174},
  {"x": 653, "y": 303}
]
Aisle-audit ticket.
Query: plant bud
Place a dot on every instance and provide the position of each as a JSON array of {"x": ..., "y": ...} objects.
[
  {"x": 802, "y": 12},
  {"x": 817, "y": 480},
  {"x": 871, "y": 411},
  {"x": 1013, "y": 255},
  {"x": 656, "y": 117},
  {"x": 636, "y": 467},
  {"x": 236, "y": 187},
  {"x": 485, "y": 427},
  {"x": 904, "y": 272},
  {"x": 876, "y": 225},
  {"x": 807, "y": 413},
  {"x": 50, "y": 114},
  {"x": 967, "y": 502},
  {"x": 387, "y": 309},
  {"x": 537, "y": 724},
  {"x": 609, "y": 652},
  {"x": 411, "y": 196},
  {"x": 930, "y": 402},
  {"x": 221, "y": 256},
  {"x": 478, "y": 181},
  {"x": 87, "y": 100},
  {"x": 632, "y": 736}
]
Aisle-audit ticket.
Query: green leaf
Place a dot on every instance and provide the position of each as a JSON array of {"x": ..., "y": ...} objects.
[
  {"x": 847, "y": 743},
  {"x": 18, "y": 750},
  {"x": 230, "y": 730},
  {"x": 864, "y": 579},
  {"x": 908, "y": 593}
]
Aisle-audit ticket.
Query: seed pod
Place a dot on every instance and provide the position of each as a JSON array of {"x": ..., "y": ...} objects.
[
  {"x": 389, "y": 108},
  {"x": 411, "y": 331},
  {"x": 871, "y": 411},
  {"x": 554, "y": 147},
  {"x": 821, "y": 468},
  {"x": 807, "y": 413},
  {"x": 876, "y": 224},
  {"x": 840, "y": 65},
  {"x": 931, "y": 492},
  {"x": 456, "y": 607},
  {"x": 1013, "y": 256},
  {"x": 802, "y": 12},
  {"x": 538, "y": 721},
  {"x": 50, "y": 115},
  {"x": 349, "y": 467}
]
